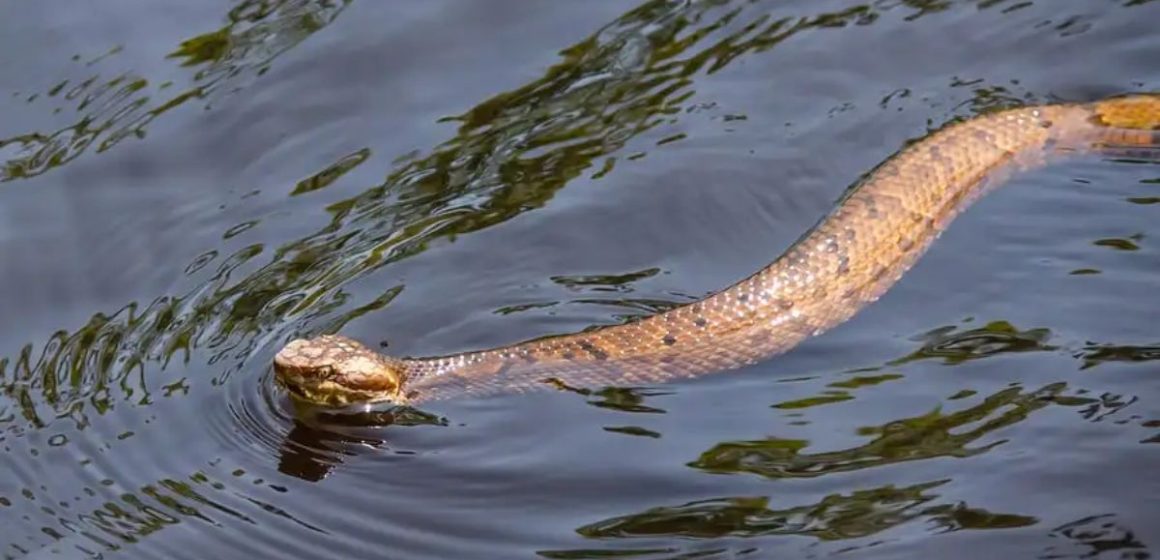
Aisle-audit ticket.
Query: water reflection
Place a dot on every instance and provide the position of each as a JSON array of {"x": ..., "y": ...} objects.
[
  {"x": 320, "y": 440},
  {"x": 511, "y": 154},
  {"x": 915, "y": 438},
  {"x": 838, "y": 516},
  {"x": 863, "y": 513},
  {"x": 1096, "y": 536},
  {"x": 955, "y": 345},
  {"x": 114, "y": 109},
  {"x": 593, "y": 290},
  {"x": 209, "y": 500},
  {"x": 1097, "y": 354}
]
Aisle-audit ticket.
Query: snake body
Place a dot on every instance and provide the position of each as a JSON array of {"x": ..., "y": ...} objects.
[{"x": 875, "y": 232}]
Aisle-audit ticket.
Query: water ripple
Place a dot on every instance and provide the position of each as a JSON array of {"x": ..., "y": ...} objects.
[
  {"x": 124, "y": 106},
  {"x": 155, "y": 427}
]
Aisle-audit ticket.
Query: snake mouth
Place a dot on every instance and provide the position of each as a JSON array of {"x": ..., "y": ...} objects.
[{"x": 326, "y": 391}]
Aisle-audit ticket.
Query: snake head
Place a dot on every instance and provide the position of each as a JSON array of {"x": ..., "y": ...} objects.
[{"x": 333, "y": 370}]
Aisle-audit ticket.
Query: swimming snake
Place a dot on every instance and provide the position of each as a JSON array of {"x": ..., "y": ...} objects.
[{"x": 869, "y": 239}]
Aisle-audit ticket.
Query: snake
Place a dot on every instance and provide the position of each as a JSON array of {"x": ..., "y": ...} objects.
[{"x": 870, "y": 237}]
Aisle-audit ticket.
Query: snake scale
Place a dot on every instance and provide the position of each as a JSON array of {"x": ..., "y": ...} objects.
[{"x": 874, "y": 233}]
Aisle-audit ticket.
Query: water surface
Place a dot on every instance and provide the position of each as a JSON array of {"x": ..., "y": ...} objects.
[{"x": 184, "y": 188}]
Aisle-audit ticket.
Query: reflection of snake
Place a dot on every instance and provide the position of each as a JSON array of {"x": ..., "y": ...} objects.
[{"x": 874, "y": 234}]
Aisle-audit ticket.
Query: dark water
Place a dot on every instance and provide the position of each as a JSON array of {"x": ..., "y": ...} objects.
[{"x": 185, "y": 187}]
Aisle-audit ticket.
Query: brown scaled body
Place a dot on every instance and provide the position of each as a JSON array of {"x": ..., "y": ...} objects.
[{"x": 870, "y": 238}]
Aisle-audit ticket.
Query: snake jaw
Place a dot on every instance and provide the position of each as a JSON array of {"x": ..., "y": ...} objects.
[{"x": 333, "y": 370}]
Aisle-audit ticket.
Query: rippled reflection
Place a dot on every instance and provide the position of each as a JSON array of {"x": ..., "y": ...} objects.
[
  {"x": 961, "y": 433},
  {"x": 114, "y": 109},
  {"x": 955, "y": 345},
  {"x": 510, "y": 155},
  {"x": 1096, "y": 536},
  {"x": 1096, "y": 354},
  {"x": 594, "y": 290},
  {"x": 320, "y": 439},
  {"x": 212, "y": 501},
  {"x": 935, "y": 434},
  {"x": 858, "y": 514},
  {"x": 839, "y": 516}
]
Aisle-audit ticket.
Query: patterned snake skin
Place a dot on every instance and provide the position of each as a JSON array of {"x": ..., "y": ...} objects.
[{"x": 853, "y": 255}]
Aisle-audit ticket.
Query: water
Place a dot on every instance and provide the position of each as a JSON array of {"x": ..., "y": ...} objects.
[{"x": 187, "y": 187}]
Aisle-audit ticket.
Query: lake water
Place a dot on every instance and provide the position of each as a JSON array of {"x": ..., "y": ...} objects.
[{"x": 184, "y": 187}]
